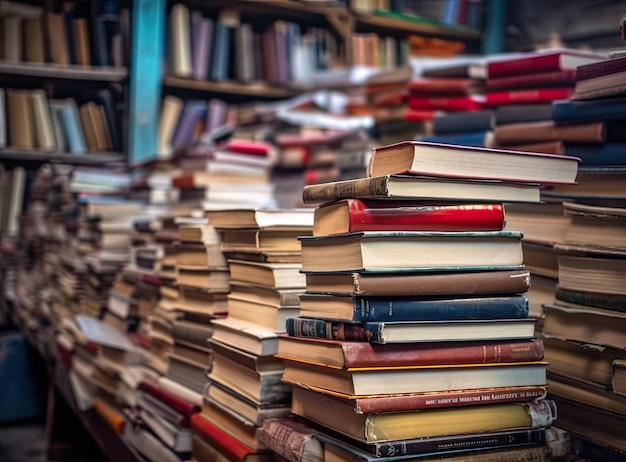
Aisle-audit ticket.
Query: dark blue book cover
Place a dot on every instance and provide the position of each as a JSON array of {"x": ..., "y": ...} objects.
[
  {"x": 463, "y": 139},
  {"x": 598, "y": 154},
  {"x": 385, "y": 309},
  {"x": 463, "y": 122},
  {"x": 221, "y": 52},
  {"x": 592, "y": 110}
]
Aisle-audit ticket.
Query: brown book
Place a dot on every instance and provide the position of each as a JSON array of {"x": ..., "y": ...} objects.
[
  {"x": 274, "y": 275},
  {"x": 345, "y": 354},
  {"x": 102, "y": 137},
  {"x": 529, "y": 132},
  {"x": 548, "y": 147},
  {"x": 12, "y": 49},
  {"x": 290, "y": 438},
  {"x": 421, "y": 284},
  {"x": 215, "y": 281},
  {"x": 199, "y": 256},
  {"x": 57, "y": 38},
  {"x": 339, "y": 415},
  {"x": 20, "y": 119},
  {"x": 81, "y": 41},
  {"x": 34, "y": 50},
  {"x": 88, "y": 127}
]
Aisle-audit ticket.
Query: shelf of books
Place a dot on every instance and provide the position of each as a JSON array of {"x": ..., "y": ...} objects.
[
  {"x": 257, "y": 90},
  {"x": 62, "y": 72},
  {"x": 94, "y": 159}
]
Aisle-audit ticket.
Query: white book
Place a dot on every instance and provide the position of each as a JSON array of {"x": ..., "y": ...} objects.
[
  {"x": 3, "y": 120},
  {"x": 180, "y": 51},
  {"x": 44, "y": 132}
]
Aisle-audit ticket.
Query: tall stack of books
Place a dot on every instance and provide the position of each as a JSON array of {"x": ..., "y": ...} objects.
[
  {"x": 584, "y": 324},
  {"x": 245, "y": 379},
  {"x": 414, "y": 336}
]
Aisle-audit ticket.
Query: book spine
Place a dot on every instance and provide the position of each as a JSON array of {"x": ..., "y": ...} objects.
[
  {"x": 598, "y": 154},
  {"x": 601, "y": 68},
  {"x": 616, "y": 90},
  {"x": 478, "y": 217},
  {"x": 529, "y": 65},
  {"x": 491, "y": 282},
  {"x": 170, "y": 400},
  {"x": 443, "y": 87},
  {"x": 317, "y": 328},
  {"x": 469, "y": 442},
  {"x": 363, "y": 187},
  {"x": 616, "y": 302},
  {"x": 544, "y": 79},
  {"x": 477, "y": 139},
  {"x": 446, "y": 104},
  {"x": 527, "y": 96},
  {"x": 284, "y": 437},
  {"x": 398, "y": 403},
  {"x": 364, "y": 355},
  {"x": 592, "y": 132},
  {"x": 370, "y": 309},
  {"x": 227, "y": 445},
  {"x": 572, "y": 111}
]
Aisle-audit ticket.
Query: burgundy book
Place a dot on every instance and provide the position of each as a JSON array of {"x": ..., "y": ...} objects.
[
  {"x": 530, "y": 96},
  {"x": 353, "y": 215},
  {"x": 598, "y": 69},
  {"x": 460, "y": 103},
  {"x": 341, "y": 353},
  {"x": 564, "y": 78},
  {"x": 180, "y": 405},
  {"x": 443, "y": 87},
  {"x": 231, "y": 448},
  {"x": 542, "y": 61}
]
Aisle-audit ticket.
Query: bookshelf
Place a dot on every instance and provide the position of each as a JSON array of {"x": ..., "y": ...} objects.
[
  {"x": 100, "y": 159},
  {"x": 252, "y": 90},
  {"x": 61, "y": 72}
]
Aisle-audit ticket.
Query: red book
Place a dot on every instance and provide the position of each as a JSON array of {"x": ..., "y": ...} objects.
[
  {"x": 255, "y": 148},
  {"x": 465, "y": 103},
  {"x": 346, "y": 354},
  {"x": 231, "y": 448},
  {"x": 419, "y": 115},
  {"x": 446, "y": 399},
  {"x": 390, "y": 99},
  {"x": 609, "y": 66},
  {"x": 562, "y": 78},
  {"x": 352, "y": 215},
  {"x": 176, "y": 403},
  {"x": 443, "y": 87},
  {"x": 543, "y": 61},
  {"x": 542, "y": 95}
]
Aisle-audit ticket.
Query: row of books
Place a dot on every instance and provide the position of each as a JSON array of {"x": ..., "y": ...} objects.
[
  {"x": 76, "y": 33},
  {"x": 29, "y": 120}
]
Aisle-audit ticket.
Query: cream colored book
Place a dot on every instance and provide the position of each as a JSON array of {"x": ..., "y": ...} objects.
[
  {"x": 180, "y": 47},
  {"x": 170, "y": 112},
  {"x": 44, "y": 131}
]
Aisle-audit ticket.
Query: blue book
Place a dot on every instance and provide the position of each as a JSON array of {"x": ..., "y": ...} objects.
[
  {"x": 588, "y": 111},
  {"x": 463, "y": 139},
  {"x": 192, "y": 112},
  {"x": 598, "y": 154},
  {"x": 463, "y": 122},
  {"x": 385, "y": 309},
  {"x": 72, "y": 127},
  {"x": 221, "y": 51}
]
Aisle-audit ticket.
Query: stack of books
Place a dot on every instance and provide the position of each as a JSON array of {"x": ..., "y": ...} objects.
[
  {"x": 414, "y": 336},
  {"x": 245, "y": 379}
]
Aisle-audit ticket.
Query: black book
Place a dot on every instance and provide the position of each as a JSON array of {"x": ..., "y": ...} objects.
[
  {"x": 463, "y": 122},
  {"x": 519, "y": 113}
]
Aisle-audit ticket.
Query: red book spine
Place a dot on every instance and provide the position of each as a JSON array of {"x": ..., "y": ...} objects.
[
  {"x": 609, "y": 66},
  {"x": 227, "y": 445},
  {"x": 180, "y": 405},
  {"x": 390, "y": 216},
  {"x": 248, "y": 147},
  {"x": 562, "y": 78},
  {"x": 390, "y": 100},
  {"x": 441, "y": 87},
  {"x": 184, "y": 181},
  {"x": 417, "y": 115},
  {"x": 375, "y": 355},
  {"x": 527, "y": 65},
  {"x": 461, "y": 398},
  {"x": 445, "y": 104},
  {"x": 543, "y": 95}
]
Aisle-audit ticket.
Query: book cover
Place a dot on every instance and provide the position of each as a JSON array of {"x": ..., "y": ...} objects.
[
  {"x": 354, "y": 354},
  {"x": 529, "y": 132},
  {"x": 562, "y": 78},
  {"x": 477, "y": 121},
  {"x": 443, "y": 87},
  {"x": 597, "y": 154},
  {"x": 519, "y": 113},
  {"x": 480, "y": 163},
  {"x": 184, "y": 407},
  {"x": 527, "y": 96},
  {"x": 416, "y": 187},
  {"x": 543, "y": 61},
  {"x": 352, "y": 215},
  {"x": 598, "y": 69},
  {"x": 583, "y": 111},
  {"x": 412, "y": 331},
  {"x": 420, "y": 284},
  {"x": 477, "y": 139},
  {"x": 202, "y": 41},
  {"x": 394, "y": 308}
]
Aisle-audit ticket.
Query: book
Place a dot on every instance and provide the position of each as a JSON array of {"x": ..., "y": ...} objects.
[
  {"x": 444, "y": 87},
  {"x": 460, "y": 161},
  {"x": 412, "y": 251},
  {"x": 246, "y": 336},
  {"x": 599, "y": 272},
  {"x": 413, "y": 331},
  {"x": 403, "y": 187},
  {"x": 261, "y": 218},
  {"x": 336, "y": 450},
  {"x": 232, "y": 448},
  {"x": 526, "y": 96},
  {"x": 370, "y": 428},
  {"x": 616, "y": 302},
  {"x": 520, "y": 133},
  {"x": 350, "y": 354},
  {"x": 393, "y": 308},
  {"x": 607, "y": 154},
  {"x": 352, "y": 215},
  {"x": 463, "y": 122},
  {"x": 542, "y": 61},
  {"x": 559, "y": 78},
  {"x": 609, "y": 85},
  {"x": 420, "y": 284},
  {"x": 274, "y": 275},
  {"x": 588, "y": 111},
  {"x": 518, "y": 113},
  {"x": 477, "y": 139},
  {"x": 179, "y": 47},
  {"x": 601, "y": 68},
  {"x": 291, "y": 439},
  {"x": 181, "y": 406}
]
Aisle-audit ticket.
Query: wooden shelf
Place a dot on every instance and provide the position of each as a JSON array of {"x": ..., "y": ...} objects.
[
  {"x": 416, "y": 27},
  {"x": 69, "y": 72},
  {"x": 258, "y": 90},
  {"x": 94, "y": 159}
]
